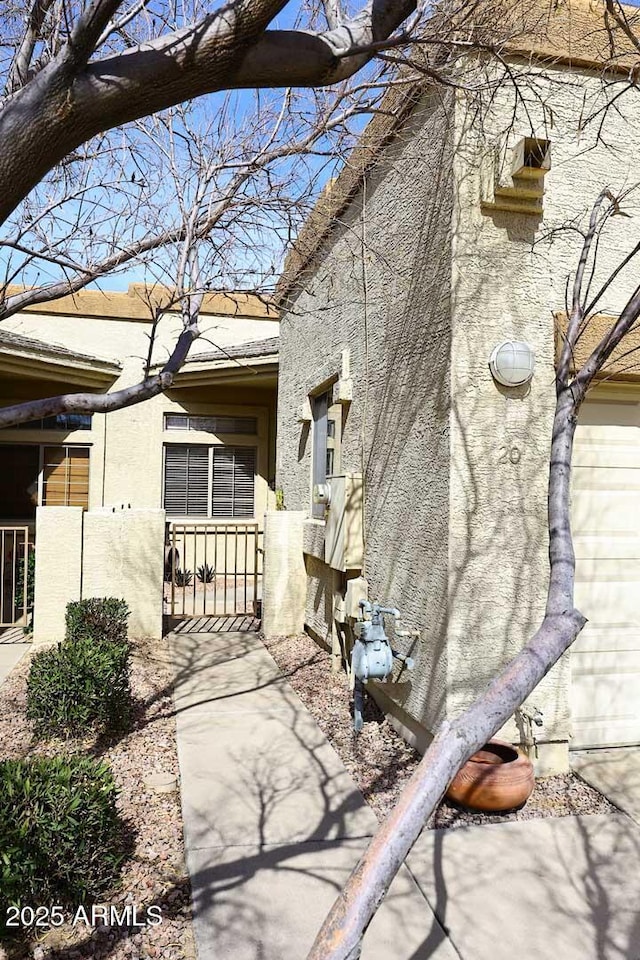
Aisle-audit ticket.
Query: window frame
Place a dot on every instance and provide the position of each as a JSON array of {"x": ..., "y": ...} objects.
[
  {"x": 325, "y": 442},
  {"x": 40, "y": 448},
  {"x": 65, "y": 447},
  {"x": 209, "y": 517},
  {"x": 40, "y": 424},
  {"x": 219, "y": 427},
  {"x": 320, "y": 418}
]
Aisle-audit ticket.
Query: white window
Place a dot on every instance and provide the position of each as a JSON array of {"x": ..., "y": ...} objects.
[
  {"x": 216, "y": 481},
  {"x": 327, "y": 436}
]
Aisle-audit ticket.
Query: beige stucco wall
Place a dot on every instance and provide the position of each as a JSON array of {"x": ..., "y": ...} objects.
[
  {"x": 58, "y": 573},
  {"x": 381, "y": 288},
  {"x": 102, "y": 553},
  {"x": 128, "y": 340},
  {"x": 284, "y": 583},
  {"x": 126, "y": 461},
  {"x": 133, "y": 468},
  {"x": 507, "y": 282},
  {"x": 455, "y": 467},
  {"x": 123, "y": 557}
]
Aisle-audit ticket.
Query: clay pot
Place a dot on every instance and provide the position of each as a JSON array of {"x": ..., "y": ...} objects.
[{"x": 496, "y": 778}]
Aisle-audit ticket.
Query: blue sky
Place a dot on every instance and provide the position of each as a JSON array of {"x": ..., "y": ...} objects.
[{"x": 318, "y": 168}]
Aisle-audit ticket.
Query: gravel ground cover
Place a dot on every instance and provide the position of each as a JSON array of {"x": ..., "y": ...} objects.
[
  {"x": 381, "y": 762},
  {"x": 156, "y": 874}
]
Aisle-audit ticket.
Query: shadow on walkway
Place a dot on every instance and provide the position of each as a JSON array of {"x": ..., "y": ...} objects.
[{"x": 273, "y": 822}]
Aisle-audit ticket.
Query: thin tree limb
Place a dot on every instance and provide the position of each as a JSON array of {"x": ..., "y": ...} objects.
[
  {"x": 19, "y": 71},
  {"x": 151, "y": 386},
  {"x": 218, "y": 53}
]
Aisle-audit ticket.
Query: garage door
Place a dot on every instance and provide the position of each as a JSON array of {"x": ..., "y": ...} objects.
[{"x": 605, "y": 660}]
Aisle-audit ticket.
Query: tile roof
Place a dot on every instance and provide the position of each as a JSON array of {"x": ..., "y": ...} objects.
[
  {"x": 49, "y": 351},
  {"x": 240, "y": 351}
]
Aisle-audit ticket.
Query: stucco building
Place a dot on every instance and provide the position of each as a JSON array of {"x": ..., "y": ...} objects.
[
  {"x": 430, "y": 249},
  {"x": 203, "y": 452}
]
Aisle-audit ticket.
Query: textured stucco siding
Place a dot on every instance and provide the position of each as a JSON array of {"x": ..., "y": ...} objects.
[
  {"x": 421, "y": 284},
  {"x": 321, "y": 581},
  {"x": 98, "y": 554},
  {"x": 381, "y": 287},
  {"x": 59, "y": 533},
  {"x": 126, "y": 460},
  {"x": 284, "y": 581},
  {"x": 508, "y": 282},
  {"x": 123, "y": 557}
]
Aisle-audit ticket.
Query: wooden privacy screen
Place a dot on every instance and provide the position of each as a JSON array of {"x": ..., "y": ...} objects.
[{"x": 65, "y": 477}]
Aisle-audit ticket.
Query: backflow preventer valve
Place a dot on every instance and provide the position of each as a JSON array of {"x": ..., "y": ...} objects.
[{"x": 372, "y": 655}]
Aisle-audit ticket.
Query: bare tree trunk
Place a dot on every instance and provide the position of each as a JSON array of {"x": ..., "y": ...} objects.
[
  {"x": 340, "y": 937},
  {"x": 341, "y": 934},
  {"x": 75, "y": 96}
]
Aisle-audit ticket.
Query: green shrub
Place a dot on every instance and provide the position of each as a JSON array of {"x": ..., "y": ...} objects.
[
  {"x": 61, "y": 838},
  {"x": 103, "y": 618},
  {"x": 80, "y": 686}
]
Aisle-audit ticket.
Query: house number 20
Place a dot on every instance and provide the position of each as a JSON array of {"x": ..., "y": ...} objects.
[{"x": 509, "y": 455}]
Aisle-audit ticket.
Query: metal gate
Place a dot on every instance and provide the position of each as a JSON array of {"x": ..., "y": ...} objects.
[
  {"x": 15, "y": 589},
  {"x": 213, "y": 570}
]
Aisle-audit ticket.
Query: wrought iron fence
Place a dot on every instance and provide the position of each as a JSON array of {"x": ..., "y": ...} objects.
[
  {"x": 16, "y": 575},
  {"x": 213, "y": 569}
]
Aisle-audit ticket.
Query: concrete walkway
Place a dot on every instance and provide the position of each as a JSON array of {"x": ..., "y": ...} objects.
[
  {"x": 274, "y": 824},
  {"x": 616, "y": 773},
  {"x": 10, "y": 655},
  {"x": 564, "y": 888}
]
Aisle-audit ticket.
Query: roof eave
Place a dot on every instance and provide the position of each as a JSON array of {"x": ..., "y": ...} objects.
[
  {"x": 18, "y": 362},
  {"x": 197, "y": 373}
]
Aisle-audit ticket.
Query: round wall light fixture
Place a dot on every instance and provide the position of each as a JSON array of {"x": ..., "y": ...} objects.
[{"x": 512, "y": 362}]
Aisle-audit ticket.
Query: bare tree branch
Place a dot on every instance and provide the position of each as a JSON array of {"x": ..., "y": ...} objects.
[
  {"x": 115, "y": 26},
  {"x": 19, "y": 71},
  {"x": 627, "y": 319},
  {"x": 576, "y": 316},
  {"x": 333, "y": 13},
  {"x": 87, "y": 30},
  {"x": 106, "y": 402},
  {"x": 229, "y": 49},
  {"x": 616, "y": 12},
  {"x": 211, "y": 205}
]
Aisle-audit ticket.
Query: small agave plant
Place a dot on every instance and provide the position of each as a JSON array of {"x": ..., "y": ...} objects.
[
  {"x": 205, "y": 573},
  {"x": 183, "y": 578}
]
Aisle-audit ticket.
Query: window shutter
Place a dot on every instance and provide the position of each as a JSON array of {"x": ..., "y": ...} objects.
[
  {"x": 78, "y": 477},
  {"x": 244, "y": 478},
  {"x": 233, "y": 481},
  {"x": 186, "y": 481}
]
